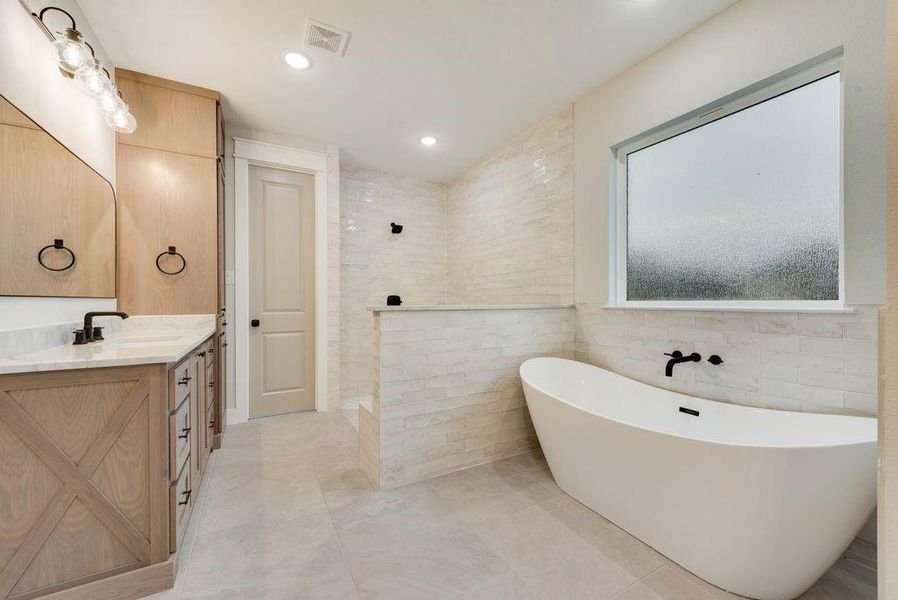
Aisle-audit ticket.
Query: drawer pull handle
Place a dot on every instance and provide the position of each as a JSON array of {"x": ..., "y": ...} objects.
[
  {"x": 211, "y": 384},
  {"x": 202, "y": 354},
  {"x": 211, "y": 424},
  {"x": 186, "y": 498},
  {"x": 184, "y": 433},
  {"x": 185, "y": 380}
]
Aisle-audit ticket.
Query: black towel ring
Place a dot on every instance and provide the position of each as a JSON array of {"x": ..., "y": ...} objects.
[
  {"x": 56, "y": 245},
  {"x": 172, "y": 252}
]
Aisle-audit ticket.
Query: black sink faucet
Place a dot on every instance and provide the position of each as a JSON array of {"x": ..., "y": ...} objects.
[
  {"x": 676, "y": 357},
  {"x": 91, "y": 333}
]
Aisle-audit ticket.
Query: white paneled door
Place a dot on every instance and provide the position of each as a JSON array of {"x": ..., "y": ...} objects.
[{"x": 282, "y": 292}]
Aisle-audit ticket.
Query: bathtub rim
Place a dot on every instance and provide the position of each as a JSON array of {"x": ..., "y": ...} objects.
[{"x": 874, "y": 440}]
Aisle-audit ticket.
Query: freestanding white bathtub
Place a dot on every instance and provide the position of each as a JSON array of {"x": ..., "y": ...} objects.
[{"x": 758, "y": 502}]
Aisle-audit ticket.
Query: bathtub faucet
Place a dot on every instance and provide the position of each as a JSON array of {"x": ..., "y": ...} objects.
[{"x": 676, "y": 357}]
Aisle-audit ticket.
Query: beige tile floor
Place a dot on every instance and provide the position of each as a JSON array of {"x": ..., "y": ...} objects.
[{"x": 285, "y": 513}]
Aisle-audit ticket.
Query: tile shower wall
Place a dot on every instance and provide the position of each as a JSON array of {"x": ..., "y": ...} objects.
[
  {"x": 375, "y": 263},
  {"x": 510, "y": 221},
  {"x": 447, "y": 390},
  {"x": 790, "y": 361}
]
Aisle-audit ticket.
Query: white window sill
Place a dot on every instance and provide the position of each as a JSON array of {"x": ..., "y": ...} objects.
[{"x": 836, "y": 310}]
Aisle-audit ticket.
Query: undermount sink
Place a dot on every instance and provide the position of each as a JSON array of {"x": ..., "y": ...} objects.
[{"x": 150, "y": 339}]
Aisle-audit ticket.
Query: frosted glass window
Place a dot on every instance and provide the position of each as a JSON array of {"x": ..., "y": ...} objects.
[{"x": 744, "y": 208}]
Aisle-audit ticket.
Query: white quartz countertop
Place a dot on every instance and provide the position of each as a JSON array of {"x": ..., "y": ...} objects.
[
  {"x": 437, "y": 307},
  {"x": 147, "y": 340}
]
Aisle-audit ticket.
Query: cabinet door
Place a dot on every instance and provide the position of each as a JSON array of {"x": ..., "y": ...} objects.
[
  {"x": 170, "y": 119},
  {"x": 166, "y": 199}
]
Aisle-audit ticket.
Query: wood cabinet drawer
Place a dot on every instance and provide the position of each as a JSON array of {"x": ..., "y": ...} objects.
[
  {"x": 181, "y": 502},
  {"x": 180, "y": 433},
  {"x": 210, "y": 380},
  {"x": 209, "y": 353},
  {"x": 181, "y": 377}
]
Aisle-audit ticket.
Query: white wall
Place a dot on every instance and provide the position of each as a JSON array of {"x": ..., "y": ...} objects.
[
  {"x": 376, "y": 263},
  {"x": 746, "y": 43},
  {"x": 30, "y": 79}
]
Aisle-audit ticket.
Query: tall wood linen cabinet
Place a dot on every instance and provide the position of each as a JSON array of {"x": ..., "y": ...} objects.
[{"x": 170, "y": 212}]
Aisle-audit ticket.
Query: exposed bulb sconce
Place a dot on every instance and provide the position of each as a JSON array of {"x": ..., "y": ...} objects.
[
  {"x": 76, "y": 59},
  {"x": 121, "y": 120},
  {"x": 72, "y": 50},
  {"x": 394, "y": 228},
  {"x": 94, "y": 79}
]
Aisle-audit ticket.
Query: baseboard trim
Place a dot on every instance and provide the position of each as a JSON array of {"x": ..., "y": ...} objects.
[{"x": 130, "y": 585}]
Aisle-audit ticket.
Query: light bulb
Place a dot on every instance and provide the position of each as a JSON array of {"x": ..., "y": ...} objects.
[
  {"x": 109, "y": 100},
  {"x": 297, "y": 60},
  {"x": 93, "y": 79},
  {"x": 427, "y": 140},
  {"x": 121, "y": 120},
  {"x": 73, "y": 53}
]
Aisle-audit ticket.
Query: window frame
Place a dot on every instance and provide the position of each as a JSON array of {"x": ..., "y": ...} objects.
[{"x": 782, "y": 83}]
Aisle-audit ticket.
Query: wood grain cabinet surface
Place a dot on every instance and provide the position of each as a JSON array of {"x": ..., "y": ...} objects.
[
  {"x": 169, "y": 194},
  {"x": 83, "y": 475},
  {"x": 170, "y": 116},
  {"x": 48, "y": 193},
  {"x": 166, "y": 199},
  {"x": 100, "y": 473}
]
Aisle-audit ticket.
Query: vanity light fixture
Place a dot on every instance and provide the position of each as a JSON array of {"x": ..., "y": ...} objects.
[
  {"x": 427, "y": 140},
  {"x": 77, "y": 60},
  {"x": 94, "y": 79},
  {"x": 297, "y": 60},
  {"x": 121, "y": 120},
  {"x": 72, "y": 50}
]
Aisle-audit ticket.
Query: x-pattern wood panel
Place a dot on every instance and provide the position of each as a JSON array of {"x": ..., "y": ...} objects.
[{"x": 76, "y": 483}]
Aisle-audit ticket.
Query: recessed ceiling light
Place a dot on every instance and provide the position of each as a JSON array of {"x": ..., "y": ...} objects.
[
  {"x": 428, "y": 140},
  {"x": 297, "y": 60}
]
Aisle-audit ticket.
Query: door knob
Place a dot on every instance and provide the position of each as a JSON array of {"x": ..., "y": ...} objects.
[{"x": 254, "y": 322}]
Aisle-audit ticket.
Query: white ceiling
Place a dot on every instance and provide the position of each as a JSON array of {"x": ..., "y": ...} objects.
[{"x": 474, "y": 73}]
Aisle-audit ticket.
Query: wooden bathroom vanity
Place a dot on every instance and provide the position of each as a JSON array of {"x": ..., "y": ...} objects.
[{"x": 101, "y": 465}]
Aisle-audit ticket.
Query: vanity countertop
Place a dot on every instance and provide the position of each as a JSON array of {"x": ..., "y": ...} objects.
[{"x": 138, "y": 341}]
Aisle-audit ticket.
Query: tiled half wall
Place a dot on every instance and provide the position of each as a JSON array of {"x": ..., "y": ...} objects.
[{"x": 447, "y": 394}]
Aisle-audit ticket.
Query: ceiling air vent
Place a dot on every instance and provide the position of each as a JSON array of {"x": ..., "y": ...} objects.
[{"x": 325, "y": 37}]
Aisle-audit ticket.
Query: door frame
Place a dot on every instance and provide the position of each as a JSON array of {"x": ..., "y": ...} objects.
[{"x": 246, "y": 154}]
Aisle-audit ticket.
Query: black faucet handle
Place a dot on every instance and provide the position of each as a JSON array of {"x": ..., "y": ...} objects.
[
  {"x": 79, "y": 337},
  {"x": 714, "y": 359},
  {"x": 674, "y": 354},
  {"x": 97, "y": 333}
]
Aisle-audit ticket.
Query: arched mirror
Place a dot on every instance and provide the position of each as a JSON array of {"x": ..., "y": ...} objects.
[{"x": 57, "y": 216}]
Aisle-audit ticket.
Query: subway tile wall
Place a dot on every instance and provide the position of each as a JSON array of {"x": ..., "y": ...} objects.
[
  {"x": 334, "y": 392},
  {"x": 447, "y": 391},
  {"x": 787, "y": 361},
  {"x": 375, "y": 263},
  {"x": 510, "y": 221}
]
